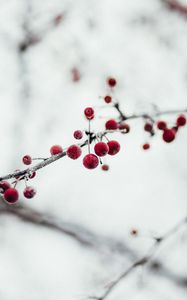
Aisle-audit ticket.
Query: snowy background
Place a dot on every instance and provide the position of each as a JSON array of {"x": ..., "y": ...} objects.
[{"x": 144, "y": 45}]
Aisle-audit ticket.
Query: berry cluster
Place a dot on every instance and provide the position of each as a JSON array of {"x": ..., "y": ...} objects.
[{"x": 102, "y": 147}]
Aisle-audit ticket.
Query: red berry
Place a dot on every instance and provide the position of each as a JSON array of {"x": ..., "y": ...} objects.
[
  {"x": 74, "y": 152},
  {"x": 32, "y": 175},
  {"x": 105, "y": 167},
  {"x": 111, "y": 81},
  {"x": 27, "y": 160},
  {"x": 78, "y": 134},
  {"x": 56, "y": 149},
  {"x": 29, "y": 192},
  {"x": 124, "y": 126},
  {"x": 114, "y": 147},
  {"x": 76, "y": 76},
  {"x": 101, "y": 149},
  {"x": 181, "y": 120},
  {"x": 89, "y": 113},
  {"x": 111, "y": 124},
  {"x": 168, "y": 135},
  {"x": 4, "y": 185},
  {"x": 90, "y": 161},
  {"x": 148, "y": 127},
  {"x": 161, "y": 125},
  {"x": 11, "y": 195},
  {"x": 108, "y": 99},
  {"x": 146, "y": 146}
]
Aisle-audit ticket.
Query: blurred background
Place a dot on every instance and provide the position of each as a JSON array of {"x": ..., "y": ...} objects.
[{"x": 73, "y": 238}]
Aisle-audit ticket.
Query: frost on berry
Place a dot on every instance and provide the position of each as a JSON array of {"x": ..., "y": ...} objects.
[
  {"x": 181, "y": 120},
  {"x": 29, "y": 192},
  {"x": 74, "y": 152},
  {"x": 89, "y": 113},
  {"x": 111, "y": 124},
  {"x": 27, "y": 160},
  {"x": 11, "y": 195},
  {"x": 169, "y": 135},
  {"x": 90, "y": 161},
  {"x": 111, "y": 81},
  {"x": 56, "y": 149},
  {"x": 4, "y": 185},
  {"x": 101, "y": 149},
  {"x": 114, "y": 147},
  {"x": 78, "y": 134}
]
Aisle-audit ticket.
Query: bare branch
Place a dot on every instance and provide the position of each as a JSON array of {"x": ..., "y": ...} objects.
[{"x": 140, "y": 262}]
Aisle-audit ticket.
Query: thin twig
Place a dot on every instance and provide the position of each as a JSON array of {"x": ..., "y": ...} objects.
[{"x": 140, "y": 262}]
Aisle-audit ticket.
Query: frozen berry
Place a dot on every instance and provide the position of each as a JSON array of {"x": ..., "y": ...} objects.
[
  {"x": 134, "y": 232},
  {"x": 168, "y": 135},
  {"x": 101, "y": 149},
  {"x": 148, "y": 127},
  {"x": 90, "y": 161},
  {"x": 111, "y": 81},
  {"x": 161, "y": 125},
  {"x": 78, "y": 134},
  {"x": 114, "y": 147},
  {"x": 124, "y": 126},
  {"x": 56, "y": 149},
  {"x": 74, "y": 152},
  {"x": 27, "y": 160},
  {"x": 111, "y": 125},
  {"x": 11, "y": 195},
  {"x": 29, "y": 192},
  {"x": 89, "y": 113},
  {"x": 146, "y": 146},
  {"x": 181, "y": 120},
  {"x": 105, "y": 167},
  {"x": 32, "y": 175},
  {"x": 108, "y": 99},
  {"x": 4, "y": 185}
]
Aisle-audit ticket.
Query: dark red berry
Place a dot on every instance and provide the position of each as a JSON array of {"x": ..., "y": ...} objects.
[
  {"x": 56, "y": 149},
  {"x": 161, "y": 125},
  {"x": 124, "y": 126},
  {"x": 32, "y": 175},
  {"x": 114, "y": 147},
  {"x": 108, "y": 99},
  {"x": 101, "y": 149},
  {"x": 90, "y": 161},
  {"x": 78, "y": 134},
  {"x": 111, "y": 81},
  {"x": 89, "y": 113},
  {"x": 4, "y": 185},
  {"x": 146, "y": 146},
  {"x": 181, "y": 120},
  {"x": 148, "y": 127},
  {"x": 74, "y": 152},
  {"x": 29, "y": 192},
  {"x": 105, "y": 167},
  {"x": 168, "y": 135},
  {"x": 111, "y": 125},
  {"x": 27, "y": 160},
  {"x": 11, "y": 195}
]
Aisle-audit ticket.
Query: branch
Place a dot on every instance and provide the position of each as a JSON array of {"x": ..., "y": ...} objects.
[
  {"x": 142, "y": 261},
  {"x": 91, "y": 137}
]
